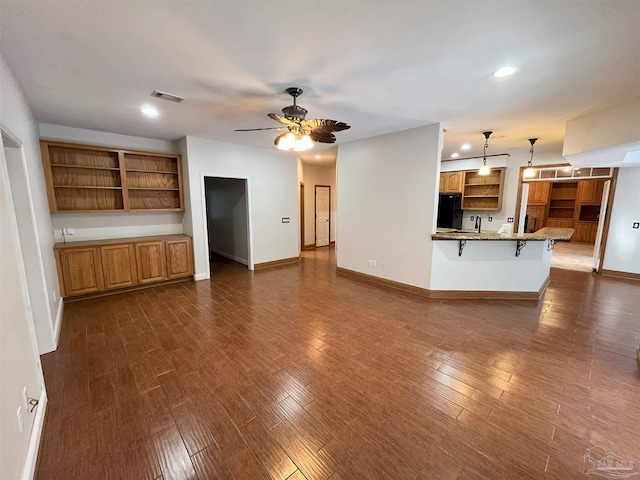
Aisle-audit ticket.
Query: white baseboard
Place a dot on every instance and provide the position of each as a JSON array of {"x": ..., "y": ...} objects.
[
  {"x": 30, "y": 463},
  {"x": 58, "y": 325},
  {"x": 243, "y": 261},
  {"x": 201, "y": 276}
]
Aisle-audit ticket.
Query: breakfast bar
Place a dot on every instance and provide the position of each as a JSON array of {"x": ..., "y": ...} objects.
[{"x": 494, "y": 265}]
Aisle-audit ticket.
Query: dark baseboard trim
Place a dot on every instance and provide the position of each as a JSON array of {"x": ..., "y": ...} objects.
[
  {"x": 615, "y": 273},
  {"x": 443, "y": 294},
  {"x": 311, "y": 246},
  {"x": 276, "y": 263}
]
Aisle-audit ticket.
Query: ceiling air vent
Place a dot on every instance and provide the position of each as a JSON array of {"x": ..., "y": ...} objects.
[{"x": 167, "y": 96}]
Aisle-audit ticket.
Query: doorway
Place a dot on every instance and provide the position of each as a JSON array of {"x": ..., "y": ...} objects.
[
  {"x": 29, "y": 244},
  {"x": 227, "y": 219},
  {"x": 323, "y": 212}
]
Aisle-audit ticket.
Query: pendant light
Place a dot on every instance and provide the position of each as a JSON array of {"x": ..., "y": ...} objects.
[
  {"x": 484, "y": 169},
  {"x": 530, "y": 171}
]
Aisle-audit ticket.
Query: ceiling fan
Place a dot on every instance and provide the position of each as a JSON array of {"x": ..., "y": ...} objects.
[{"x": 299, "y": 133}]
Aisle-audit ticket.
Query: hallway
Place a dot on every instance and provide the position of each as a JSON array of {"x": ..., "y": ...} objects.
[{"x": 294, "y": 372}]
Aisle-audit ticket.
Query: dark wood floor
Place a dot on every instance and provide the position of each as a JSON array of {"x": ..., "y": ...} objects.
[{"x": 294, "y": 373}]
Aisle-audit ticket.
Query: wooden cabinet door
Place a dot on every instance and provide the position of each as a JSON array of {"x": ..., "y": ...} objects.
[
  {"x": 454, "y": 181},
  {"x": 442, "y": 188},
  {"x": 590, "y": 191},
  {"x": 119, "y": 266},
  {"x": 151, "y": 262},
  {"x": 81, "y": 270},
  {"x": 565, "y": 223},
  {"x": 179, "y": 258},
  {"x": 539, "y": 193},
  {"x": 536, "y": 218},
  {"x": 585, "y": 232}
]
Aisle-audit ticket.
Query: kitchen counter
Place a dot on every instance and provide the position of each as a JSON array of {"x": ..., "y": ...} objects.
[
  {"x": 475, "y": 265},
  {"x": 546, "y": 233}
]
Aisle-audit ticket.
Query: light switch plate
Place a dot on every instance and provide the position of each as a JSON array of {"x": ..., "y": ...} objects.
[
  {"x": 636, "y": 225},
  {"x": 510, "y": 220},
  {"x": 285, "y": 220}
]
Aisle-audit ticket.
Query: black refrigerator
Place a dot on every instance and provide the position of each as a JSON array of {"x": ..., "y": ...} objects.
[{"x": 450, "y": 210}]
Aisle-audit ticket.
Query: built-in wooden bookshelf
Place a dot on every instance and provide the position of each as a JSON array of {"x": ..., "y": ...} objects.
[
  {"x": 86, "y": 178},
  {"x": 483, "y": 192}
]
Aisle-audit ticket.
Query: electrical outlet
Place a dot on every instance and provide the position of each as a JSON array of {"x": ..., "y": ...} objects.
[
  {"x": 374, "y": 264},
  {"x": 371, "y": 263},
  {"x": 472, "y": 218},
  {"x": 384, "y": 266},
  {"x": 286, "y": 219},
  {"x": 491, "y": 219},
  {"x": 510, "y": 220},
  {"x": 636, "y": 225}
]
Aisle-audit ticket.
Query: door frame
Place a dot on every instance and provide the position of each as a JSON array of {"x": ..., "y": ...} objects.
[
  {"x": 301, "y": 216},
  {"x": 315, "y": 216}
]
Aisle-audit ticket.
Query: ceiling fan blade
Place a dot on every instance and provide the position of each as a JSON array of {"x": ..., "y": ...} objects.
[
  {"x": 281, "y": 119},
  {"x": 322, "y": 136},
  {"x": 324, "y": 125},
  {"x": 256, "y": 129}
]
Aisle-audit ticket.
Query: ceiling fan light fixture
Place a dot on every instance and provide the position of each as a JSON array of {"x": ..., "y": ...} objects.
[{"x": 295, "y": 142}]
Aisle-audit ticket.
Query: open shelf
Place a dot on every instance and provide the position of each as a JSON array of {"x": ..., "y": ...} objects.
[
  {"x": 483, "y": 192},
  {"x": 86, "y": 178}
]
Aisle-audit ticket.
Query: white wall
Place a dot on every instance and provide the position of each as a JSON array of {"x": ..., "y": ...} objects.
[
  {"x": 313, "y": 175},
  {"x": 272, "y": 194},
  {"x": 623, "y": 242},
  {"x": 92, "y": 226},
  {"x": 19, "y": 362},
  {"x": 227, "y": 221},
  {"x": 388, "y": 191},
  {"x": 17, "y": 120}
]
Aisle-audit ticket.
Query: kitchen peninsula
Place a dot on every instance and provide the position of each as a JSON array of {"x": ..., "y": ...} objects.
[{"x": 468, "y": 264}]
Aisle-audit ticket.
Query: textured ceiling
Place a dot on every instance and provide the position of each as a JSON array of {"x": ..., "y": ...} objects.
[{"x": 380, "y": 66}]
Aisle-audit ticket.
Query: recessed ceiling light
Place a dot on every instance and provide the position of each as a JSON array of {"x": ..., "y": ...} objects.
[
  {"x": 504, "y": 72},
  {"x": 149, "y": 111},
  {"x": 465, "y": 146},
  {"x": 318, "y": 157},
  {"x": 455, "y": 155}
]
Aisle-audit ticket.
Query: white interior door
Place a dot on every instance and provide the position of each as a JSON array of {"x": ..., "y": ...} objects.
[
  {"x": 601, "y": 220},
  {"x": 323, "y": 206}
]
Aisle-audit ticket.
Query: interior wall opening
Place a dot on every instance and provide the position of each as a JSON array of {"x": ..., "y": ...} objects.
[{"x": 227, "y": 219}]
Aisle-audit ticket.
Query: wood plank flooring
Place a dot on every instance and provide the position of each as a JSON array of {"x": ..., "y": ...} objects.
[{"x": 294, "y": 373}]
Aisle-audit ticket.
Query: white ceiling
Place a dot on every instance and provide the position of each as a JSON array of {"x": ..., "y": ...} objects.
[{"x": 380, "y": 66}]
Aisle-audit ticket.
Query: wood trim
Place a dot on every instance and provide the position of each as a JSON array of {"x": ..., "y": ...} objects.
[
  {"x": 615, "y": 273},
  {"x": 277, "y": 263},
  {"x": 443, "y": 294},
  {"x": 108, "y": 149},
  {"x": 311, "y": 246},
  {"x": 48, "y": 176},
  {"x": 123, "y": 181},
  {"x": 607, "y": 219},
  {"x": 181, "y": 182},
  {"x": 106, "y": 293},
  {"x": 302, "y": 245}
]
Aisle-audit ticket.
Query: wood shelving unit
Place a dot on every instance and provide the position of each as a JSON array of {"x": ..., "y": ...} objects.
[
  {"x": 483, "y": 192},
  {"x": 86, "y": 178}
]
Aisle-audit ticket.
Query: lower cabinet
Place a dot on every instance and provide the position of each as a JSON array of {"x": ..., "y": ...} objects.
[
  {"x": 118, "y": 266},
  {"x": 80, "y": 271},
  {"x": 151, "y": 263},
  {"x": 559, "y": 222},
  {"x": 92, "y": 267},
  {"x": 585, "y": 232}
]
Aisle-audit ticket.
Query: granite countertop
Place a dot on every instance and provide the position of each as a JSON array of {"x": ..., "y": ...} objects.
[{"x": 545, "y": 233}]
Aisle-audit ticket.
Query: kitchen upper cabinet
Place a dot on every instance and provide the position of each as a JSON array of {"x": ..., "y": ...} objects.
[
  {"x": 80, "y": 270},
  {"x": 590, "y": 191},
  {"x": 95, "y": 266},
  {"x": 538, "y": 193},
  {"x": 150, "y": 258},
  {"x": 179, "y": 258},
  {"x": 451, "y": 182},
  {"x": 119, "y": 266}
]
